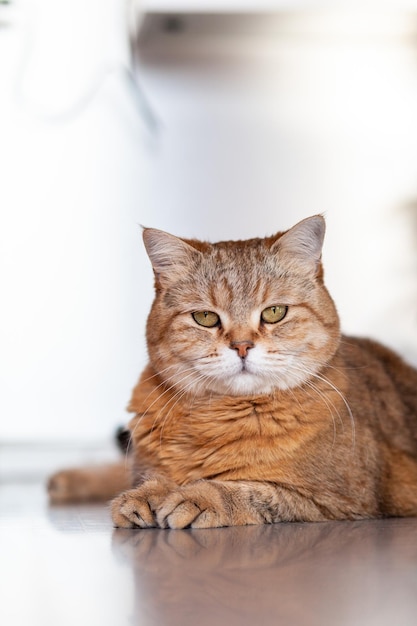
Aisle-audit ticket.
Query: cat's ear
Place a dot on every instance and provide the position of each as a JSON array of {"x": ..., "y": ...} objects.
[
  {"x": 170, "y": 256},
  {"x": 303, "y": 243}
]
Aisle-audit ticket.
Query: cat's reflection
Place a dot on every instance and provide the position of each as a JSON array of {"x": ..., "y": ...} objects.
[{"x": 284, "y": 573}]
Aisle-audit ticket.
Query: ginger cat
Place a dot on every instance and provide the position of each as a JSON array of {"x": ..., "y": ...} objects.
[{"x": 254, "y": 409}]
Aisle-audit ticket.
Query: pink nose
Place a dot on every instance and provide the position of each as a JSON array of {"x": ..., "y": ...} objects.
[{"x": 242, "y": 347}]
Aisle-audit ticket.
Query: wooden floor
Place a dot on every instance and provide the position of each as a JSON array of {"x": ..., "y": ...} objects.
[{"x": 67, "y": 565}]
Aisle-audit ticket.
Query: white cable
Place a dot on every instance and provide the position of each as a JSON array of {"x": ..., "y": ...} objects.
[{"x": 96, "y": 83}]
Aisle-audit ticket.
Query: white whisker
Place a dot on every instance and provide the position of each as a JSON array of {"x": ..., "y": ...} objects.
[
  {"x": 167, "y": 390},
  {"x": 179, "y": 395},
  {"x": 326, "y": 381}
]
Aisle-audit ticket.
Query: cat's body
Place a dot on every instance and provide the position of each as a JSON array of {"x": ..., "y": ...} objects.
[{"x": 254, "y": 409}]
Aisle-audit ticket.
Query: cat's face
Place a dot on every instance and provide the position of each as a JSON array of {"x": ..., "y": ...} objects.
[{"x": 240, "y": 318}]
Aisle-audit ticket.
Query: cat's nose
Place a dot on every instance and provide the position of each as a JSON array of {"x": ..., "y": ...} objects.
[{"x": 242, "y": 347}]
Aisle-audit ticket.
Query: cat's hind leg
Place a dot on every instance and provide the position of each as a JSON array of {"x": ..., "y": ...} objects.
[{"x": 89, "y": 484}]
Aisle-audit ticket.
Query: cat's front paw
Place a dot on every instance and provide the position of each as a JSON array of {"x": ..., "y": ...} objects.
[
  {"x": 137, "y": 508},
  {"x": 160, "y": 503},
  {"x": 202, "y": 504}
]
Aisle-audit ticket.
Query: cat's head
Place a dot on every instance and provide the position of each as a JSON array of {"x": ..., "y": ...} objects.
[{"x": 240, "y": 317}]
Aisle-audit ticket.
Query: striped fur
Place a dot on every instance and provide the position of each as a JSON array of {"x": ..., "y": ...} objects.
[{"x": 298, "y": 423}]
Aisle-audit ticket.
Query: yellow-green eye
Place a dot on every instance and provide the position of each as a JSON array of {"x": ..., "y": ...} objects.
[
  {"x": 206, "y": 318},
  {"x": 274, "y": 314}
]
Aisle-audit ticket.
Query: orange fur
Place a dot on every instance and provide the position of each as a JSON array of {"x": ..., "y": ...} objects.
[{"x": 301, "y": 424}]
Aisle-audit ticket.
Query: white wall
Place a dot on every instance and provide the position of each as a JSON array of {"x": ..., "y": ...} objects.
[
  {"x": 70, "y": 196},
  {"x": 255, "y": 133}
]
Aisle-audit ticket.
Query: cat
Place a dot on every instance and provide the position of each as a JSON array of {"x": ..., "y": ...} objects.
[{"x": 254, "y": 408}]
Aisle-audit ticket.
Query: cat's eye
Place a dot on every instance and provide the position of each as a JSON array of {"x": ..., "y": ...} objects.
[
  {"x": 274, "y": 314},
  {"x": 206, "y": 318}
]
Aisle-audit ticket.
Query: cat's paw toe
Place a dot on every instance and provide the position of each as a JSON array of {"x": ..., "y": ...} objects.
[
  {"x": 66, "y": 486},
  {"x": 177, "y": 513},
  {"x": 208, "y": 519},
  {"x": 192, "y": 506},
  {"x": 57, "y": 487},
  {"x": 136, "y": 508},
  {"x": 132, "y": 510}
]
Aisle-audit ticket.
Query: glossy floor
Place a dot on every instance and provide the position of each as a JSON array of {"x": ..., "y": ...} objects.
[{"x": 67, "y": 565}]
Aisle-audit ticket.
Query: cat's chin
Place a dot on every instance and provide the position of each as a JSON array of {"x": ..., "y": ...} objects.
[
  {"x": 244, "y": 384},
  {"x": 247, "y": 383}
]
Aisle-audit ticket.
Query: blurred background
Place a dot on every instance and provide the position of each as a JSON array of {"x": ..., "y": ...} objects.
[{"x": 207, "y": 119}]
